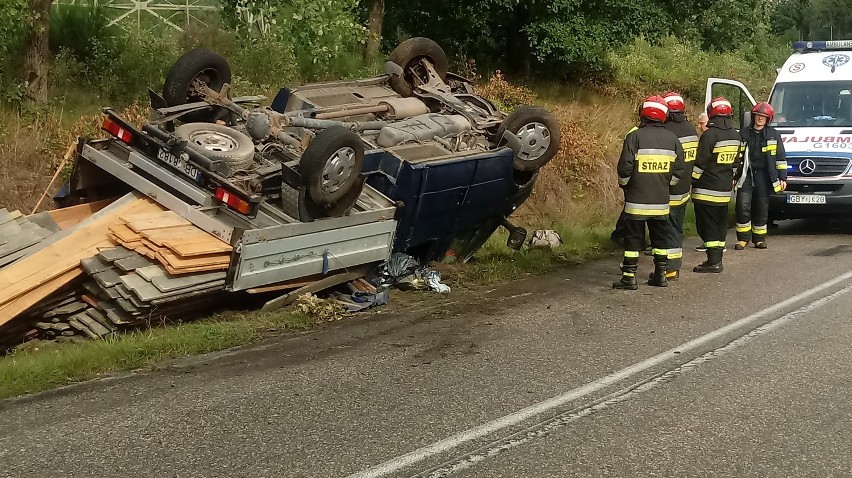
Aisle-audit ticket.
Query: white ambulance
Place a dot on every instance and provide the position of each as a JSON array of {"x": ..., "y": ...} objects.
[{"x": 812, "y": 99}]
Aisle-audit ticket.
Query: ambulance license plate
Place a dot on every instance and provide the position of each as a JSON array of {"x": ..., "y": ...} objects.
[{"x": 805, "y": 199}]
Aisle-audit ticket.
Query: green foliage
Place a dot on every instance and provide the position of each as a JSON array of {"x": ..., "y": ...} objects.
[
  {"x": 813, "y": 19},
  {"x": 642, "y": 67},
  {"x": 78, "y": 29},
  {"x": 13, "y": 23}
]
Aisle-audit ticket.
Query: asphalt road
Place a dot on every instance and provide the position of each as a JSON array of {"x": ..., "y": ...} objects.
[{"x": 746, "y": 373}]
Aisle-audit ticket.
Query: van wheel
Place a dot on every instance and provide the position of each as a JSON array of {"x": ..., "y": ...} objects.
[
  {"x": 220, "y": 143},
  {"x": 539, "y": 133},
  {"x": 205, "y": 66},
  {"x": 331, "y": 165},
  {"x": 408, "y": 55}
]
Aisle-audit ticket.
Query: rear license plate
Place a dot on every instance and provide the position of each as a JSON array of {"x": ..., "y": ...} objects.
[
  {"x": 180, "y": 164},
  {"x": 806, "y": 199}
]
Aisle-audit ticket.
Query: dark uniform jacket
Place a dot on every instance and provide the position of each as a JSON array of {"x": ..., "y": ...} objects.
[
  {"x": 765, "y": 155},
  {"x": 688, "y": 137},
  {"x": 651, "y": 162},
  {"x": 719, "y": 154}
]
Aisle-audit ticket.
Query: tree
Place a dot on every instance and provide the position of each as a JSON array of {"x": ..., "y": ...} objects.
[
  {"x": 37, "y": 51},
  {"x": 375, "y": 20}
]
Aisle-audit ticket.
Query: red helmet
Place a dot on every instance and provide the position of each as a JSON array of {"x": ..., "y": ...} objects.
[
  {"x": 674, "y": 101},
  {"x": 719, "y": 107},
  {"x": 654, "y": 109},
  {"x": 765, "y": 109}
]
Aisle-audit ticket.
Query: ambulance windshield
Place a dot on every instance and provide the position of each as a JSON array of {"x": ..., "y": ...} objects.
[{"x": 814, "y": 103}]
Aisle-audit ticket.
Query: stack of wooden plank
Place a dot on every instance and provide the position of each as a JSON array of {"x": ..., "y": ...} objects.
[
  {"x": 180, "y": 247},
  {"x": 18, "y": 235}
]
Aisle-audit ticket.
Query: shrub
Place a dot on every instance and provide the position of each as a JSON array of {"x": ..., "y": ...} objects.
[
  {"x": 78, "y": 28},
  {"x": 505, "y": 95}
]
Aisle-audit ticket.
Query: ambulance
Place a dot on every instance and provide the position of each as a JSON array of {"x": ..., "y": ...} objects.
[{"x": 812, "y": 99}]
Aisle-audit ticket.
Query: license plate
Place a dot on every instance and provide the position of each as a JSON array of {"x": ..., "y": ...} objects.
[
  {"x": 806, "y": 199},
  {"x": 180, "y": 164}
]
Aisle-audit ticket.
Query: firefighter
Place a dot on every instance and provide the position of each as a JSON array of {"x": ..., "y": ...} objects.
[
  {"x": 651, "y": 162},
  {"x": 719, "y": 151},
  {"x": 763, "y": 170},
  {"x": 688, "y": 136}
]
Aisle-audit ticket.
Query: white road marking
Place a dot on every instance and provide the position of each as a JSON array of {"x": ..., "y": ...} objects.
[
  {"x": 454, "y": 441},
  {"x": 546, "y": 427}
]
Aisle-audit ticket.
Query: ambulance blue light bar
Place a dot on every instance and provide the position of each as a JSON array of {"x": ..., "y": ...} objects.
[{"x": 820, "y": 45}]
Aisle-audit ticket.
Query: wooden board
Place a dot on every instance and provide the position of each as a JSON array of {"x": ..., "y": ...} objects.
[
  {"x": 124, "y": 233},
  {"x": 178, "y": 234},
  {"x": 170, "y": 259},
  {"x": 170, "y": 284},
  {"x": 71, "y": 216},
  {"x": 52, "y": 267},
  {"x": 147, "y": 221},
  {"x": 185, "y": 250}
]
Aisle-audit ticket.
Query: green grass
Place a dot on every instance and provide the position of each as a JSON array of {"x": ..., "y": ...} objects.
[
  {"x": 496, "y": 263},
  {"x": 51, "y": 365}
]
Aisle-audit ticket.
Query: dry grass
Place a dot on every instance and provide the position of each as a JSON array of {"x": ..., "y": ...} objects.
[{"x": 32, "y": 144}]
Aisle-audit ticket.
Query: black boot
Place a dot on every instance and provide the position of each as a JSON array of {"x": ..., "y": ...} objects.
[
  {"x": 658, "y": 278},
  {"x": 713, "y": 264},
  {"x": 628, "y": 277}
]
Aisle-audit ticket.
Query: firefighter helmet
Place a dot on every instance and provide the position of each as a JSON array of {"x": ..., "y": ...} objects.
[
  {"x": 764, "y": 109},
  {"x": 719, "y": 107},
  {"x": 654, "y": 109},
  {"x": 674, "y": 101}
]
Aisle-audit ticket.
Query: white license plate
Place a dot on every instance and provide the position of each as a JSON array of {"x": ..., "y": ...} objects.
[
  {"x": 180, "y": 164},
  {"x": 806, "y": 199}
]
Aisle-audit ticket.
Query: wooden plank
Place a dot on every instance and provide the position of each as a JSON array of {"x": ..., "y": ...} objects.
[
  {"x": 192, "y": 270},
  {"x": 95, "y": 264},
  {"x": 164, "y": 219},
  {"x": 198, "y": 261},
  {"x": 20, "y": 304},
  {"x": 130, "y": 264},
  {"x": 317, "y": 286},
  {"x": 118, "y": 316},
  {"x": 192, "y": 292},
  {"x": 288, "y": 285},
  {"x": 92, "y": 301},
  {"x": 199, "y": 248},
  {"x": 107, "y": 278},
  {"x": 124, "y": 233},
  {"x": 169, "y": 284},
  {"x": 74, "y": 322},
  {"x": 5, "y": 216},
  {"x": 69, "y": 217},
  {"x": 61, "y": 256},
  {"x": 16, "y": 214},
  {"x": 101, "y": 318},
  {"x": 93, "y": 325},
  {"x": 151, "y": 272},
  {"x": 177, "y": 234},
  {"x": 112, "y": 254}
]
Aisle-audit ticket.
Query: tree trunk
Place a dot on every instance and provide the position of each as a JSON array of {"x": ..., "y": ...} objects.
[
  {"x": 37, "y": 54},
  {"x": 374, "y": 28}
]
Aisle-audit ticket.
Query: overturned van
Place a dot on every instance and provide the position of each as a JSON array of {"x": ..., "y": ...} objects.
[{"x": 812, "y": 99}]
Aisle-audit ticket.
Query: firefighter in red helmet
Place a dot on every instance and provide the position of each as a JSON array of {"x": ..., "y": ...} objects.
[
  {"x": 763, "y": 170},
  {"x": 719, "y": 152},
  {"x": 688, "y": 136},
  {"x": 651, "y": 163}
]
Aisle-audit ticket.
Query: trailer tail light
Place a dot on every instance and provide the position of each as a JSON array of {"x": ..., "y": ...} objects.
[
  {"x": 233, "y": 201},
  {"x": 117, "y": 130}
]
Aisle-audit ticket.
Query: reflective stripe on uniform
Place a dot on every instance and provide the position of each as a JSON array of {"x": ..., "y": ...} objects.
[
  {"x": 653, "y": 160},
  {"x": 744, "y": 227},
  {"x": 697, "y": 172},
  {"x": 760, "y": 229},
  {"x": 646, "y": 209},
  {"x": 631, "y": 253},
  {"x": 781, "y": 165},
  {"x": 726, "y": 145},
  {"x": 675, "y": 253},
  {"x": 690, "y": 147},
  {"x": 709, "y": 195},
  {"x": 628, "y": 274},
  {"x": 623, "y": 181},
  {"x": 678, "y": 199},
  {"x": 720, "y": 244},
  {"x": 771, "y": 146},
  {"x": 777, "y": 186},
  {"x": 660, "y": 252}
]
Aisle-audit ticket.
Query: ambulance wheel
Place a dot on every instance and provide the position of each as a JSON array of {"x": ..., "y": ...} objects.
[{"x": 539, "y": 134}]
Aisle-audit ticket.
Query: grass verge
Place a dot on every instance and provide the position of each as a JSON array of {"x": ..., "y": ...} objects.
[{"x": 32, "y": 369}]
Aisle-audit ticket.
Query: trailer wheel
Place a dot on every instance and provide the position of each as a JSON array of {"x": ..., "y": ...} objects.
[
  {"x": 539, "y": 135},
  {"x": 408, "y": 55},
  {"x": 197, "y": 64},
  {"x": 331, "y": 166},
  {"x": 220, "y": 143}
]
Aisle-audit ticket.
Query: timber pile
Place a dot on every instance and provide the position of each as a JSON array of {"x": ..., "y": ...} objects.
[{"x": 70, "y": 275}]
